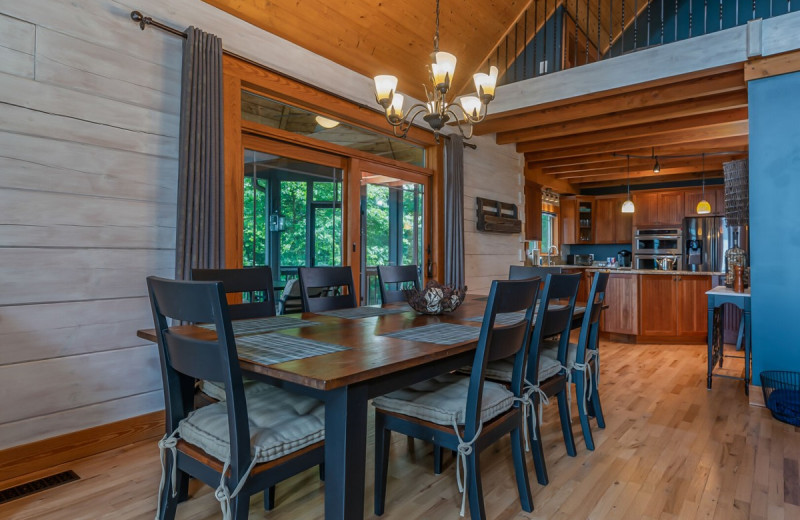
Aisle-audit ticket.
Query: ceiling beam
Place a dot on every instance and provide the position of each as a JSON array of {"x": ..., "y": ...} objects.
[
  {"x": 617, "y": 163},
  {"x": 618, "y": 119},
  {"x": 620, "y": 172},
  {"x": 665, "y": 172},
  {"x": 548, "y": 181},
  {"x": 648, "y": 180},
  {"x": 708, "y": 133},
  {"x": 639, "y": 131},
  {"x": 642, "y": 96}
]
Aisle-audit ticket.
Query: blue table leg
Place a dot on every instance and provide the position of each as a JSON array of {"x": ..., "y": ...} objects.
[
  {"x": 747, "y": 348},
  {"x": 345, "y": 452},
  {"x": 710, "y": 341}
]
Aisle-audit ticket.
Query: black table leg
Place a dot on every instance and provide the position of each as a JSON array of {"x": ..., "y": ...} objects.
[{"x": 345, "y": 452}]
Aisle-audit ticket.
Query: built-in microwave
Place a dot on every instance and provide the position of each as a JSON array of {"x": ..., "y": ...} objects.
[{"x": 658, "y": 241}]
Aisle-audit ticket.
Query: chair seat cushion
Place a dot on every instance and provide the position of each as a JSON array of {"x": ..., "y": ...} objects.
[
  {"x": 443, "y": 398},
  {"x": 550, "y": 351},
  {"x": 217, "y": 390},
  {"x": 502, "y": 369},
  {"x": 280, "y": 423}
]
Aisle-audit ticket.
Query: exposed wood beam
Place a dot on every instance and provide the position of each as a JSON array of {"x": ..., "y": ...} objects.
[
  {"x": 548, "y": 181},
  {"x": 650, "y": 180},
  {"x": 626, "y": 99},
  {"x": 665, "y": 172},
  {"x": 718, "y": 121},
  {"x": 618, "y": 119},
  {"x": 621, "y": 163},
  {"x": 620, "y": 172},
  {"x": 709, "y": 133},
  {"x": 772, "y": 65}
]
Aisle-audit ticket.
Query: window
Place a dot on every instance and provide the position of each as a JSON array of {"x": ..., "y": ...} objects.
[{"x": 549, "y": 231}]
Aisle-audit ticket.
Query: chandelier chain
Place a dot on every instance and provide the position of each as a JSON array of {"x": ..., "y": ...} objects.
[{"x": 436, "y": 34}]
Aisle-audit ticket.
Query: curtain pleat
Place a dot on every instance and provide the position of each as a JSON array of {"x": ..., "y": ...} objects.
[
  {"x": 454, "y": 212},
  {"x": 199, "y": 234}
]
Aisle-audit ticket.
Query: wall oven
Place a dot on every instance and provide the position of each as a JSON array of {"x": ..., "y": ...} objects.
[{"x": 650, "y": 244}]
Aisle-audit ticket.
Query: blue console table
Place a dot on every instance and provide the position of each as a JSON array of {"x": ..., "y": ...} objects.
[{"x": 717, "y": 297}]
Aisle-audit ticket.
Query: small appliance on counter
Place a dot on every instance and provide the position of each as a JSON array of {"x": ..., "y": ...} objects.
[
  {"x": 624, "y": 258},
  {"x": 585, "y": 260}
]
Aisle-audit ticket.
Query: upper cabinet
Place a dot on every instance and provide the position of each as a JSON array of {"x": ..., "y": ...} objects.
[
  {"x": 611, "y": 225},
  {"x": 533, "y": 211},
  {"x": 658, "y": 208},
  {"x": 715, "y": 195},
  {"x": 577, "y": 220}
]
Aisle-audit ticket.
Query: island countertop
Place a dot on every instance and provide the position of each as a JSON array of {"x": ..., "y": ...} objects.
[{"x": 628, "y": 270}]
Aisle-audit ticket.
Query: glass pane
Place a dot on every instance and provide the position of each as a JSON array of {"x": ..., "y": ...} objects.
[
  {"x": 292, "y": 214},
  {"x": 392, "y": 228},
  {"x": 269, "y": 112}
]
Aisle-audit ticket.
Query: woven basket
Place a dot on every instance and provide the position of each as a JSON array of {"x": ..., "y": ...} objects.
[
  {"x": 737, "y": 194},
  {"x": 782, "y": 394}
]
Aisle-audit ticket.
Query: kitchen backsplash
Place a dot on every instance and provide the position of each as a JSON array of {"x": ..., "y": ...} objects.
[{"x": 600, "y": 251}]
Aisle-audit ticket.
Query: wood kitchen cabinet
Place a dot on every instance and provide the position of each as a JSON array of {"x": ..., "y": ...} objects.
[
  {"x": 577, "y": 220},
  {"x": 673, "y": 307},
  {"x": 714, "y": 195},
  {"x": 583, "y": 286},
  {"x": 646, "y": 212},
  {"x": 611, "y": 225},
  {"x": 658, "y": 208},
  {"x": 533, "y": 211},
  {"x": 622, "y": 298}
]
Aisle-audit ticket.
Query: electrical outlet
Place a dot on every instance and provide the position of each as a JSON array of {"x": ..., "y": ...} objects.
[{"x": 543, "y": 67}]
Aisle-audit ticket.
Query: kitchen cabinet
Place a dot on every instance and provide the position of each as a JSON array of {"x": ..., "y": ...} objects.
[
  {"x": 622, "y": 298},
  {"x": 583, "y": 286},
  {"x": 673, "y": 307},
  {"x": 533, "y": 211},
  {"x": 658, "y": 208},
  {"x": 611, "y": 225},
  {"x": 714, "y": 195},
  {"x": 577, "y": 220}
]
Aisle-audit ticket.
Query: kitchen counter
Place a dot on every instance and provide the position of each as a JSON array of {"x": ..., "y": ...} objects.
[{"x": 626, "y": 270}]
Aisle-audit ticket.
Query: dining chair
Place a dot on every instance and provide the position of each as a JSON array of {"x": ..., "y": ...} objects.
[
  {"x": 467, "y": 414},
  {"x": 239, "y": 446},
  {"x": 397, "y": 275},
  {"x": 522, "y": 272},
  {"x": 248, "y": 280},
  {"x": 546, "y": 377},
  {"x": 332, "y": 278},
  {"x": 583, "y": 360}
]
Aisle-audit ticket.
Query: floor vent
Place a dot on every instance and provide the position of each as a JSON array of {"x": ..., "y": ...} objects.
[{"x": 35, "y": 486}]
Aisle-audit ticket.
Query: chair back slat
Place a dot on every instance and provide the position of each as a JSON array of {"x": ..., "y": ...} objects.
[
  {"x": 523, "y": 272},
  {"x": 396, "y": 275},
  {"x": 195, "y": 358},
  {"x": 331, "y": 278},
  {"x": 591, "y": 319},
  {"x": 250, "y": 280},
  {"x": 501, "y": 341}
]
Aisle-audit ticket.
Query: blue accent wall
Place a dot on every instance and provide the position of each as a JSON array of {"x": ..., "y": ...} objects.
[
  {"x": 774, "y": 107},
  {"x": 600, "y": 251}
]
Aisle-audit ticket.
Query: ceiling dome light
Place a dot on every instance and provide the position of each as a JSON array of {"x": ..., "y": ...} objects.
[{"x": 324, "y": 122}]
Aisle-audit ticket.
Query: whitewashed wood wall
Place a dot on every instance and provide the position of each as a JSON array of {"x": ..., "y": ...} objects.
[
  {"x": 492, "y": 172},
  {"x": 88, "y": 166}
]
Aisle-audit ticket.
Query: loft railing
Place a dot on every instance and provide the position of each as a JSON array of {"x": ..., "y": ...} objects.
[{"x": 553, "y": 35}]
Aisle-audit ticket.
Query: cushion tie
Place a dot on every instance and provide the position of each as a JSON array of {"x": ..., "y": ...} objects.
[
  {"x": 464, "y": 449},
  {"x": 585, "y": 367},
  {"x": 223, "y": 495},
  {"x": 168, "y": 442},
  {"x": 527, "y": 408},
  {"x": 568, "y": 370}
]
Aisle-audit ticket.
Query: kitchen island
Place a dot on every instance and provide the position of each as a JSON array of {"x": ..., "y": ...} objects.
[{"x": 649, "y": 306}]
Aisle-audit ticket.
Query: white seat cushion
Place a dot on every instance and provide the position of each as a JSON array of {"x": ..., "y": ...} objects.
[
  {"x": 550, "y": 350},
  {"x": 443, "y": 398},
  {"x": 280, "y": 423},
  {"x": 502, "y": 369},
  {"x": 217, "y": 390}
]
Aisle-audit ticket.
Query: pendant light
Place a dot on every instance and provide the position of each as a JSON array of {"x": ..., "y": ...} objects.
[
  {"x": 656, "y": 166},
  {"x": 703, "y": 207},
  {"x": 627, "y": 206}
]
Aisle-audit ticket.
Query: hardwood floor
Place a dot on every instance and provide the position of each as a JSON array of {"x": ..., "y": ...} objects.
[{"x": 671, "y": 449}]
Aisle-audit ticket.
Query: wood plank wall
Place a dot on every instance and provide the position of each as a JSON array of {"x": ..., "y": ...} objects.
[
  {"x": 88, "y": 154},
  {"x": 493, "y": 172}
]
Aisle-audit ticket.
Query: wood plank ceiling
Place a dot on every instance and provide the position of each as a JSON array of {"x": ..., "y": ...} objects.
[{"x": 568, "y": 145}]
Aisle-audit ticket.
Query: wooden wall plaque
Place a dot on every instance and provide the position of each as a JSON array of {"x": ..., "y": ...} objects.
[{"x": 497, "y": 217}]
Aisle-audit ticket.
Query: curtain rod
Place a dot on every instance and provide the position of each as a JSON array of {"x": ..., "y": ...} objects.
[{"x": 144, "y": 21}]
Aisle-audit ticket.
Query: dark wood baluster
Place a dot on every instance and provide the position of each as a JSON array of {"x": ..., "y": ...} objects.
[
  {"x": 535, "y": 36},
  {"x": 720, "y": 14},
  {"x": 556, "y": 65},
  {"x": 506, "y": 57},
  {"x": 622, "y": 31},
  {"x": 691, "y": 16},
  {"x": 516, "y": 52},
  {"x": 586, "y": 31},
  {"x": 598, "y": 30},
  {"x": 544, "y": 36},
  {"x": 525, "y": 48},
  {"x": 676, "y": 21},
  {"x": 635, "y": 23},
  {"x": 662, "y": 22},
  {"x": 647, "y": 43},
  {"x": 610, "y": 25},
  {"x": 575, "y": 58},
  {"x": 705, "y": 17}
]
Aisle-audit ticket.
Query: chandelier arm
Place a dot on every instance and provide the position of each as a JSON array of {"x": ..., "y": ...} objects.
[
  {"x": 473, "y": 120},
  {"x": 461, "y": 129}
]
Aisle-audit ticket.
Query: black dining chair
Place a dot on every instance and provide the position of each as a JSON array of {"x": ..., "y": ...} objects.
[
  {"x": 398, "y": 276},
  {"x": 467, "y": 414},
  {"x": 332, "y": 278},
  {"x": 583, "y": 360},
  {"x": 248, "y": 280},
  {"x": 522, "y": 272},
  {"x": 239, "y": 446}
]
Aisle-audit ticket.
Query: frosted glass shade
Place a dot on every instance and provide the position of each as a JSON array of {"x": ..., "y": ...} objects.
[
  {"x": 385, "y": 86},
  {"x": 485, "y": 84},
  {"x": 628, "y": 207},
  {"x": 444, "y": 68},
  {"x": 471, "y": 106},
  {"x": 395, "y": 110},
  {"x": 703, "y": 207}
]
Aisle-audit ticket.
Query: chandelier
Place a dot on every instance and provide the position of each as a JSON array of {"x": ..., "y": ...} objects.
[{"x": 466, "y": 111}]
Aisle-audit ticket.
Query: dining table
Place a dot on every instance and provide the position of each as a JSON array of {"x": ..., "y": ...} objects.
[{"x": 372, "y": 351}]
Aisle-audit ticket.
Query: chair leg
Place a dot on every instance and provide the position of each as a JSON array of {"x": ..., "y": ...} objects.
[
  {"x": 437, "y": 459},
  {"x": 240, "y": 507},
  {"x": 269, "y": 498},
  {"x": 382, "y": 440},
  {"x": 537, "y": 448},
  {"x": 183, "y": 486},
  {"x": 169, "y": 504},
  {"x": 598, "y": 409},
  {"x": 586, "y": 429},
  {"x": 520, "y": 470},
  {"x": 322, "y": 472},
  {"x": 474, "y": 487},
  {"x": 566, "y": 425}
]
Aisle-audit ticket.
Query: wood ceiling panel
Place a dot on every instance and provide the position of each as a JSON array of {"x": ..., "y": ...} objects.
[{"x": 378, "y": 37}]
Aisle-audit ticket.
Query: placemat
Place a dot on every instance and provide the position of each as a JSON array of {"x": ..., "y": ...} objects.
[
  {"x": 439, "y": 333},
  {"x": 272, "y": 348},
  {"x": 261, "y": 325},
  {"x": 364, "y": 312},
  {"x": 504, "y": 318}
]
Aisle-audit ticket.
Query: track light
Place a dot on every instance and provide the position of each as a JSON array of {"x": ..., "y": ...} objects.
[{"x": 656, "y": 166}]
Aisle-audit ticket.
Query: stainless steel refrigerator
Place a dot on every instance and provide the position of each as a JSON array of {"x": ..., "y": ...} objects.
[{"x": 705, "y": 240}]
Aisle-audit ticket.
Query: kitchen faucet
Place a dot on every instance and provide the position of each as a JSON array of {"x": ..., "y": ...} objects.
[{"x": 550, "y": 254}]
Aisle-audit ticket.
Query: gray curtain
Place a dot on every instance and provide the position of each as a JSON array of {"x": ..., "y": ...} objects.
[
  {"x": 454, "y": 211},
  {"x": 199, "y": 240}
]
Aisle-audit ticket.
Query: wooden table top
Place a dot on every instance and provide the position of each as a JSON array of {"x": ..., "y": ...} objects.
[{"x": 369, "y": 355}]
